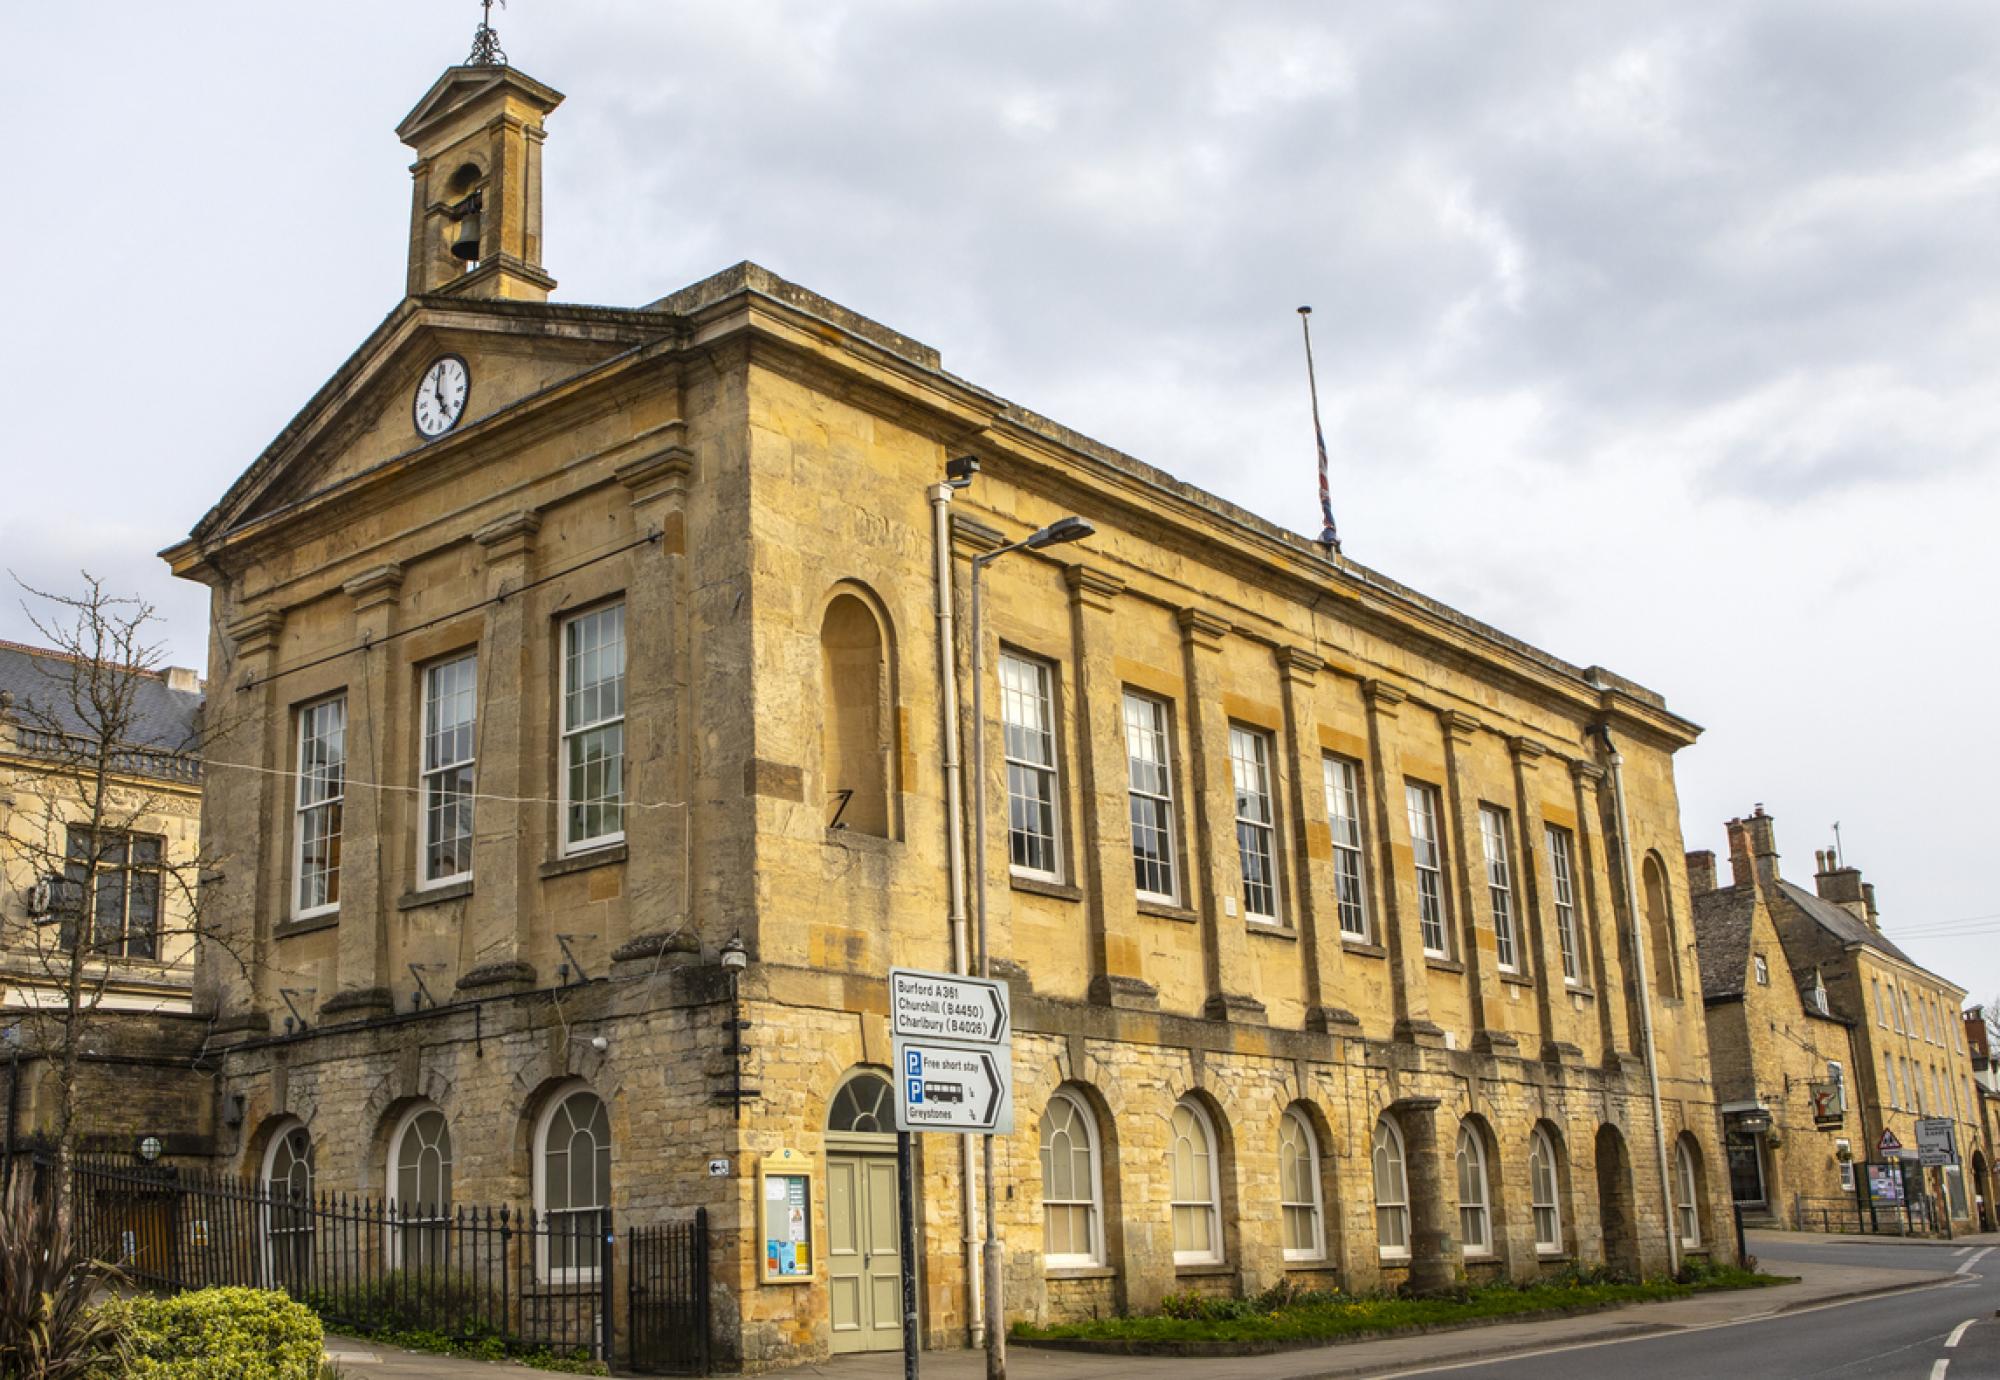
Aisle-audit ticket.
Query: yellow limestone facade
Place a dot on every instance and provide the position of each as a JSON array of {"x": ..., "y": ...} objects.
[{"x": 701, "y": 537}]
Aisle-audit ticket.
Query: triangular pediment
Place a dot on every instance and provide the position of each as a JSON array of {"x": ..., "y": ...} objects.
[
  {"x": 362, "y": 423},
  {"x": 461, "y": 86}
]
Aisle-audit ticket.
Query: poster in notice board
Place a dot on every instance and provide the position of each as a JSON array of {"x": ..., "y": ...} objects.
[{"x": 785, "y": 1214}]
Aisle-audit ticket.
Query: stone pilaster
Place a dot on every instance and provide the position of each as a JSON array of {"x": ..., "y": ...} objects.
[
  {"x": 1598, "y": 915},
  {"x": 246, "y": 723},
  {"x": 1117, "y": 975},
  {"x": 1434, "y": 1247},
  {"x": 1312, "y": 844},
  {"x": 1225, "y": 940},
  {"x": 658, "y": 746},
  {"x": 1399, "y": 924},
  {"x": 493, "y": 951},
  {"x": 369, "y": 819},
  {"x": 1534, "y": 892},
  {"x": 1476, "y": 941}
]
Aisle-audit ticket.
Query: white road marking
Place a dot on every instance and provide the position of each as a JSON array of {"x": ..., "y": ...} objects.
[
  {"x": 1957, "y": 1332},
  {"x": 1963, "y": 1250},
  {"x": 1938, "y": 1369},
  {"x": 1966, "y": 1268}
]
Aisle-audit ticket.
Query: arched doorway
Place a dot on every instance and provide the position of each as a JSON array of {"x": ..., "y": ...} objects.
[
  {"x": 1614, "y": 1203},
  {"x": 863, "y": 1230}
]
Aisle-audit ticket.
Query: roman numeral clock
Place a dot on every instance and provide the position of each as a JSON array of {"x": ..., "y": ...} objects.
[{"x": 441, "y": 395}]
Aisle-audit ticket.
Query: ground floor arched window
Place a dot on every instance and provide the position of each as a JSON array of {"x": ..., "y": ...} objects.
[
  {"x": 1687, "y": 1194},
  {"x": 1475, "y": 1213},
  {"x": 1299, "y": 1188},
  {"x": 572, "y": 1181},
  {"x": 1392, "y": 1193},
  {"x": 1196, "y": 1187},
  {"x": 1542, "y": 1192},
  {"x": 1072, "y": 1192}
]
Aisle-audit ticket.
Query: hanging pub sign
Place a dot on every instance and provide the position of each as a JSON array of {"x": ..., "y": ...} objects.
[
  {"x": 784, "y": 1212},
  {"x": 1829, "y": 1105}
]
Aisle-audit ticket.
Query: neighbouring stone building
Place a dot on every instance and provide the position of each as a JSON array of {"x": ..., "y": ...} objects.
[
  {"x": 565, "y": 645},
  {"x": 1782, "y": 1058},
  {"x": 1986, "y": 1092},
  {"x": 141, "y": 838},
  {"x": 1909, "y": 1057}
]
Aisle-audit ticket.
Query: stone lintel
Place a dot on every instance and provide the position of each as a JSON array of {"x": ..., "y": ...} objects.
[
  {"x": 358, "y": 1004},
  {"x": 1124, "y": 993},
  {"x": 1299, "y": 665},
  {"x": 1458, "y": 726},
  {"x": 973, "y": 537},
  {"x": 375, "y": 587},
  {"x": 1091, "y": 587},
  {"x": 509, "y": 974},
  {"x": 1383, "y": 697},
  {"x": 1203, "y": 629},
  {"x": 256, "y": 632},
  {"x": 513, "y": 535},
  {"x": 1235, "y": 1008}
]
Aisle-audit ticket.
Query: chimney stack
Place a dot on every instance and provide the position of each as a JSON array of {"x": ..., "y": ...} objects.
[
  {"x": 1701, "y": 871},
  {"x": 1868, "y": 900},
  {"x": 182, "y": 679},
  {"x": 1843, "y": 887},
  {"x": 1753, "y": 849}
]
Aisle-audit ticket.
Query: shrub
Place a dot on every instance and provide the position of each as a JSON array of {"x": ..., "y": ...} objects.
[
  {"x": 224, "y": 1334},
  {"x": 453, "y": 1306},
  {"x": 48, "y": 1329}
]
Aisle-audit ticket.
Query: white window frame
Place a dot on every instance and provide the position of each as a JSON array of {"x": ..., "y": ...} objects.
[
  {"x": 1296, "y": 1122},
  {"x": 1392, "y": 1199},
  {"x": 1149, "y": 748},
  {"x": 544, "y": 1271},
  {"x": 1493, "y": 842},
  {"x": 432, "y": 773},
  {"x": 1251, "y": 755},
  {"x": 1881, "y": 1010},
  {"x": 1213, "y": 1205},
  {"x": 311, "y": 796},
  {"x": 1562, "y": 871},
  {"x": 571, "y": 734},
  {"x": 1687, "y": 1198},
  {"x": 1477, "y": 1212},
  {"x": 1762, "y": 969},
  {"x": 277, "y": 1238},
  {"x": 1080, "y": 1113},
  {"x": 1420, "y": 800},
  {"x": 1046, "y": 774},
  {"x": 1846, "y": 1164},
  {"x": 1342, "y": 779},
  {"x": 392, "y": 1179},
  {"x": 1837, "y": 1074},
  {"x": 1542, "y": 1164}
]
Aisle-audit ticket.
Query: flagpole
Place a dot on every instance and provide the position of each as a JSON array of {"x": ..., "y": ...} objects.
[{"x": 1329, "y": 534}]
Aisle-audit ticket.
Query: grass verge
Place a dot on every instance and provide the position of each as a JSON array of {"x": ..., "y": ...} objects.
[{"x": 1284, "y": 1318}]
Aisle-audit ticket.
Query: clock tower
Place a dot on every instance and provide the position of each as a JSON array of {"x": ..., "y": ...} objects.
[{"x": 476, "y": 207}]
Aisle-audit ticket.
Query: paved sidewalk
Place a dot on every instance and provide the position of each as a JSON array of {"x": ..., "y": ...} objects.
[
  {"x": 1818, "y": 1284},
  {"x": 1975, "y": 1240}
]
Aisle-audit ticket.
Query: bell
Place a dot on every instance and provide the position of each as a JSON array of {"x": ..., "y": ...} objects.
[{"x": 465, "y": 235}]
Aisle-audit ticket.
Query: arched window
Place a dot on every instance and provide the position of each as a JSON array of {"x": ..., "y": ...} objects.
[
  {"x": 1196, "y": 1191},
  {"x": 864, "y": 1104},
  {"x": 1298, "y": 1187},
  {"x": 858, "y": 756},
  {"x": 1542, "y": 1192},
  {"x": 288, "y": 1182},
  {"x": 420, "y": 1185},
  {"x": 1392, "y": 1193},
  {"x": 1072, "y": 1228},
  {"x": 1660, "y": 925},
  {"x": 1687, "y": 1194},
  {"x": 1475, "y": 1215},
  {"x": 572, "y": 1181}
]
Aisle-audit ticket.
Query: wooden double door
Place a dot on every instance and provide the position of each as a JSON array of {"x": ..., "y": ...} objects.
[{"x": 864, "y": 1252}]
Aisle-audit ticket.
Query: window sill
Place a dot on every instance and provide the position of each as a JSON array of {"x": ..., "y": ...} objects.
[
  {"x": 1577, "y": 989},
  {"x": 310, "y": 924},
  {"x": 1364, "y": 948},
  {"x": 850, "y": 838},
  {"x": 1517, "y": 979},
  {"x": 1196, "y": 1269},
  {"x": 1162, "y": 910},
  {"x": 582, "y": 862},
  {"x": 437, "y": 895},
  {"x": 1035, "y": 886},
  {"x": 1272, "y": 930},
  {"x": 1555, "y": 1257},
  {"x": 1079, "y": 1272},
  {"x": 1393, "y": 1257},
  {"x": 1443, "y": 965}
]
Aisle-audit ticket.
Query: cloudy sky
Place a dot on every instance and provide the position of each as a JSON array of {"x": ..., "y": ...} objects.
[{"x": 1659, "y": 335}]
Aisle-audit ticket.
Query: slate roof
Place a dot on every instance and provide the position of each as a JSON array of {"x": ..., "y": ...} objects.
[
  {"x": 164, "y": 719},
  {"x": 1722, "y": 940},
  {"x": 1841, "y": 923}
]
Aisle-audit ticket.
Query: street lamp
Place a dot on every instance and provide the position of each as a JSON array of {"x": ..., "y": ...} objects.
[{"x": 1062, "y": 530}]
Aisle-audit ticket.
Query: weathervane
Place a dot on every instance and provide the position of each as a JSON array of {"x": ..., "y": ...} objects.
[{"x": 486, "y": 50}]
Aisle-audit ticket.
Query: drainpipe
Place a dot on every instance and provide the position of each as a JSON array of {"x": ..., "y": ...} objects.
[
  {"x": 1645, "y": 1000},
  {"x": 954, "y": 807}
]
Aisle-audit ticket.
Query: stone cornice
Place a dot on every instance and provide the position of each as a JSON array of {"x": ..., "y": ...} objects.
[
  {"x": 256, "y": 632},
  {"x": 1299, "y": 665},
  {"x": 375, "y": 587},
  {"x": 1202, "y": 628},
  {"x": 1091, "y": 587},
  {"x": 513, "y": 535}
]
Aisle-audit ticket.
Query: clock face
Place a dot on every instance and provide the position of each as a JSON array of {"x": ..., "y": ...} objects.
[{"x": 441, "y": 395}]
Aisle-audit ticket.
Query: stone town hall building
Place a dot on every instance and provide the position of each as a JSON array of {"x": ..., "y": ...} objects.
[{"x": 564, "y": 645}]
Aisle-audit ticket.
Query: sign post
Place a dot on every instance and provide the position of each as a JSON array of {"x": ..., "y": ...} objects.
[{"x": 954, "y": 1046}]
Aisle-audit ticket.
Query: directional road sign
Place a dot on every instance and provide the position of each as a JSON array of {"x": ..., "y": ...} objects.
[
  {"x": 1934, "y": 1142},
  {"x": 948, "y": 1006},
  {"x": 947, "y": 1087}
]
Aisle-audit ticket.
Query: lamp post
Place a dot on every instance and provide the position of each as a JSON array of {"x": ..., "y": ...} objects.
[{"x": 1062, "y": 530}]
